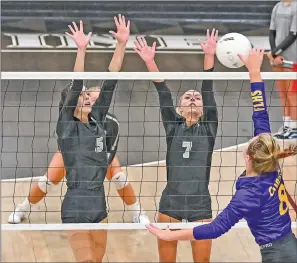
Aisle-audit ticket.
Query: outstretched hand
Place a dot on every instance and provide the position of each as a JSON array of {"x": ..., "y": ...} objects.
[
  {"x": 78, "y": 36},
  {"x": 146, "y": 52},
  {"x": 254, "y": 61},
  {"x": 123, "y": 29},
  {"x": 159, "y": 233},
  {"x": 210, "y": 46}
]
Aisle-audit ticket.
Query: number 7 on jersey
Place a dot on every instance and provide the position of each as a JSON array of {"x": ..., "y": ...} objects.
[{"x": 188, "y": 146}]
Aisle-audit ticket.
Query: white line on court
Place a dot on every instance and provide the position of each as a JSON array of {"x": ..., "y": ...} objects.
[{"x": 154, "y": 163}]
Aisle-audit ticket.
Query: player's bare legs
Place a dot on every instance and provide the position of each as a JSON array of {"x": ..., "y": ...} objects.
[
  {"x": 88, "y": 245},
  {"x": 167, "y": 249},
  {"x": 201, "y": 249},
  {"x": 56, "y": 173}
]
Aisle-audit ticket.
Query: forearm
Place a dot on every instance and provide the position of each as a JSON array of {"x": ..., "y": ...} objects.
[
  {"x": 117, "y": 58},
  {"x": 152, "y": 67},
  {"x": 102, "y": 104},
  {"x": 272, "y": 35},
  {"x": 79, "y": 65},
  {"x": 186, "y": 234},
  {"x": 208, "y": 62},
  {"x": 255, "y": 76},
  {"x": 260, "y": 114},
  {"x": 288, "y": 41}
]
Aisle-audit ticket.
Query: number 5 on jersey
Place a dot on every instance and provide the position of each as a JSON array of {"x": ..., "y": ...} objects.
[
  {"x": 188, "y": 146},
  {"x": 99, "y": 145}
]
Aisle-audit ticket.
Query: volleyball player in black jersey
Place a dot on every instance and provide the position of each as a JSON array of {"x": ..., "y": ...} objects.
[
  {"x": 82, "y": 142},
  {"x": 190, "y": 137}
]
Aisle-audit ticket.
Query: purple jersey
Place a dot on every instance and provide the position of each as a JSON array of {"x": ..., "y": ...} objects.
[{"x": 261, "y": 200}]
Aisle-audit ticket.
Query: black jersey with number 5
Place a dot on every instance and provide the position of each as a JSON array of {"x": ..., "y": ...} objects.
[
  {"x": 189, "y": 149},
  {"x": 83, "y": 145}
]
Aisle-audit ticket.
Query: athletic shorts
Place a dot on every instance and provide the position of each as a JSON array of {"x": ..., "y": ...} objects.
[
  {"x": 282, "y": 250},
  {"x": 181, "y": 207},
  {"x": 83, "y": 206}
]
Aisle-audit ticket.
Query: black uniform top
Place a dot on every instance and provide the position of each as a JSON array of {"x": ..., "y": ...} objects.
[
  {"x": 83, "y": 145},
  {"x": 189, "y": 149},
  {"x": 111, "y": 126}
]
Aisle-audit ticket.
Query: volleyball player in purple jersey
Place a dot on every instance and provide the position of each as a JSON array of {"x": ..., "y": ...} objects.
[{"x": 261, "y": 197}]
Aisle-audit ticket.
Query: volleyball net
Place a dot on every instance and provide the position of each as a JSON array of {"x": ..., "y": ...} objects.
[{"x": 30, "y": 108}]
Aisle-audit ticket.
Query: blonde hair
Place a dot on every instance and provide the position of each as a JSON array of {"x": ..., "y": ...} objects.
[
  {"x": 265, "y": 153},
  {"x": 93, "y": 89}
]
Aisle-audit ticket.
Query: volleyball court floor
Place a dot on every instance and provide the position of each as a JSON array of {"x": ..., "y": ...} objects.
[{"x": 133, "y": 245}]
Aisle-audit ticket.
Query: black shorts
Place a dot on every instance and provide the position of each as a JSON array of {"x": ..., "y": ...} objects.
[
  {"x": 83, "y": 206},
  {"x": 190, "y": 208},
  {"x": 282, "y": 250}
]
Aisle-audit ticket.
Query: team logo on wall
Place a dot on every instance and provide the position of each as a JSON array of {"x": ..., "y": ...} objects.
[{"x": 26, "y": 42}]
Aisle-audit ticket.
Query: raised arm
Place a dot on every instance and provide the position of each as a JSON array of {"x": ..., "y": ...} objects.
[
  {"x": 147, "y": 54},
  {"x": 260, "y": 114},
  {"x": 81, "y": 40},
  {"x": 71, "y": 93},
  {"x": 101, "y": 106},
  {"x": 209, "y": 103}
]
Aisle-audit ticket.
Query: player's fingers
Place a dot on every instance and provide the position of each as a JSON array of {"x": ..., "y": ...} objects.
[
  {"x": 154, "y": 46},
  {"x": 89, "y": 35},
  {"x": 113, "y": 33},
  {"x": 128, "y": 24},
  {"x": 69, "y": 34},
  {"x": 202, "y": 44},
  {"x": 116, "y": 21},
  {"x": 120, "y": 19},
  {"x": 144, "y": 41},
  {"x": 137, "y": 45},
  {"x": 207, "y": 33},
  {"x": 140, "y": 41},
  {"x": 75, "y": 26},
  {"x": 212, "y": 34},
  {"x": 241, "y": 58},
  {"x": 71, "y": 29},
  {"x": 123, "y": 20},
  {"x": 81, "y": 26},
  {"x": 136, "y": 50},
  {"x": 216, "y": 35}
]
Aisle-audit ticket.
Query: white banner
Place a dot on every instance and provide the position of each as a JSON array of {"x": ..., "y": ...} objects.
[{"x": 30, "y": 42}]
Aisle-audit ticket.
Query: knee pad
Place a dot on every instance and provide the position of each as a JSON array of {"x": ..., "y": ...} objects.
[
  {"x": 45, "y": 184},
  {"x": 120, "y": 180}
]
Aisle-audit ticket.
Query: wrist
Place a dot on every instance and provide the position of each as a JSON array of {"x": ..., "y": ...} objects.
[
  {"x": 82, "y": 50},
  {"x": 255, "y": 75},
  {"x": 122, "y": 44},
  {"x": 150, "y": 62}
]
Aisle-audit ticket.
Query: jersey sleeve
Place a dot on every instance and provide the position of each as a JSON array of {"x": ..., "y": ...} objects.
[
  {"x": 241, "y": 203},
  {"x": 168, "y": 111},
  {"x": 63, "y": 96},
  {"x": 209, "y": 105},
  {"x": 68, "y": 108},
  {"x": 101, "y": 106},
  {"x": 260, "y": 114}
]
